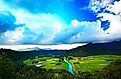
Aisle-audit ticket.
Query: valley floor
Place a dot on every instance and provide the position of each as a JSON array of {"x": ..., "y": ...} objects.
[{"x": 79, "y": 64}]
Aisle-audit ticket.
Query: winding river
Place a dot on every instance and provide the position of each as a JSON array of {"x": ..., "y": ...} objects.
[{"x": 70, "y": 68}]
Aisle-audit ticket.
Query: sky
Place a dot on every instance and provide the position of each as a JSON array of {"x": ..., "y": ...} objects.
[{"x": 54, "y": 22}]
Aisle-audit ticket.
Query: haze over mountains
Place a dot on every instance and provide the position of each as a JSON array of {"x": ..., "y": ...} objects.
[
  {"x": 113, "y": 48},
  {"x": 45, "y": 47}
]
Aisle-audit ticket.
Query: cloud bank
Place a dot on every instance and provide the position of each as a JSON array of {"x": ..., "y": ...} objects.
[{"x": 22, "y": 22}]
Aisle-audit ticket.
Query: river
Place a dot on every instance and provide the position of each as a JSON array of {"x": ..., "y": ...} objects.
[{"x": 70, "y": 68}]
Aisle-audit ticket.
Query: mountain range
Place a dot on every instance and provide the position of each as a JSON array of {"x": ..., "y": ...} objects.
[{"x": 89, "y": 49}]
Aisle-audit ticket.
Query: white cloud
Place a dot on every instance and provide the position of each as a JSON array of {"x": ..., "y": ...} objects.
[
  {"x": 116, "y": 8},
  {"x": 38, "y": 22},
  {"x": 96, "y": 5},
  {"x": 53, "y": 47},
  {"x": 42, "y": 25},
  {"x": 74, "y": 22},
  {"x": 46, "y": 28},
  {"x": 114, "y": 31},
  {"x": 115, "y": 20},
  {"x": 91, "y": 32},
  {"x": 13, "y": 36}
]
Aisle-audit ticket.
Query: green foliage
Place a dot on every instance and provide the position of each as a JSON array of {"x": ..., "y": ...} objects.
[
  {"x": 92, "y": 63},
  {"x": 7, "y": 68},
  {"x": 111, "y": 71},
  {"x": 85, "y": 68}
]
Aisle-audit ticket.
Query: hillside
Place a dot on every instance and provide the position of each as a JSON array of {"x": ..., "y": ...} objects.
[
  {"x": 89, "y": 49},
  {"x": 98, "y": 48},
  {"x": 104, "y": 61}
]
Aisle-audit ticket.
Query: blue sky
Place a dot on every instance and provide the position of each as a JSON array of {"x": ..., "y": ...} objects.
[{"x": 59, "y": 21}]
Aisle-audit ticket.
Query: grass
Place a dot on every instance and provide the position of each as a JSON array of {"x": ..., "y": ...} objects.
[
  {"x": 83, "y": 64},
  {"x": 50, "y": 63},
  {"x": 92, "y": 63}
]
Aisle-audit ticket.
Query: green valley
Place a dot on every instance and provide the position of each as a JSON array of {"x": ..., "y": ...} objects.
[{"x": 79, "y": 64}]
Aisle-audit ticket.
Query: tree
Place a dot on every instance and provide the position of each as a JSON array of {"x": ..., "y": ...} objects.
[{"x": 7, "y": 68}]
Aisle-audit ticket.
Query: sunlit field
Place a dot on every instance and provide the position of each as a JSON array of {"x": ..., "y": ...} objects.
[
  {"x": 47, "y": 62},
  {"x": 92, "y": 63},
  {"x": 79, "y": 64}
]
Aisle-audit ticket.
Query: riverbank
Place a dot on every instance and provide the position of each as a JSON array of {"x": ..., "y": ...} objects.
[{"x": 70, "y": 68}]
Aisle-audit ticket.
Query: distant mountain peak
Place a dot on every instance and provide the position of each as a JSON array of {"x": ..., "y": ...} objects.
[{"x": 29, "y": 49}]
